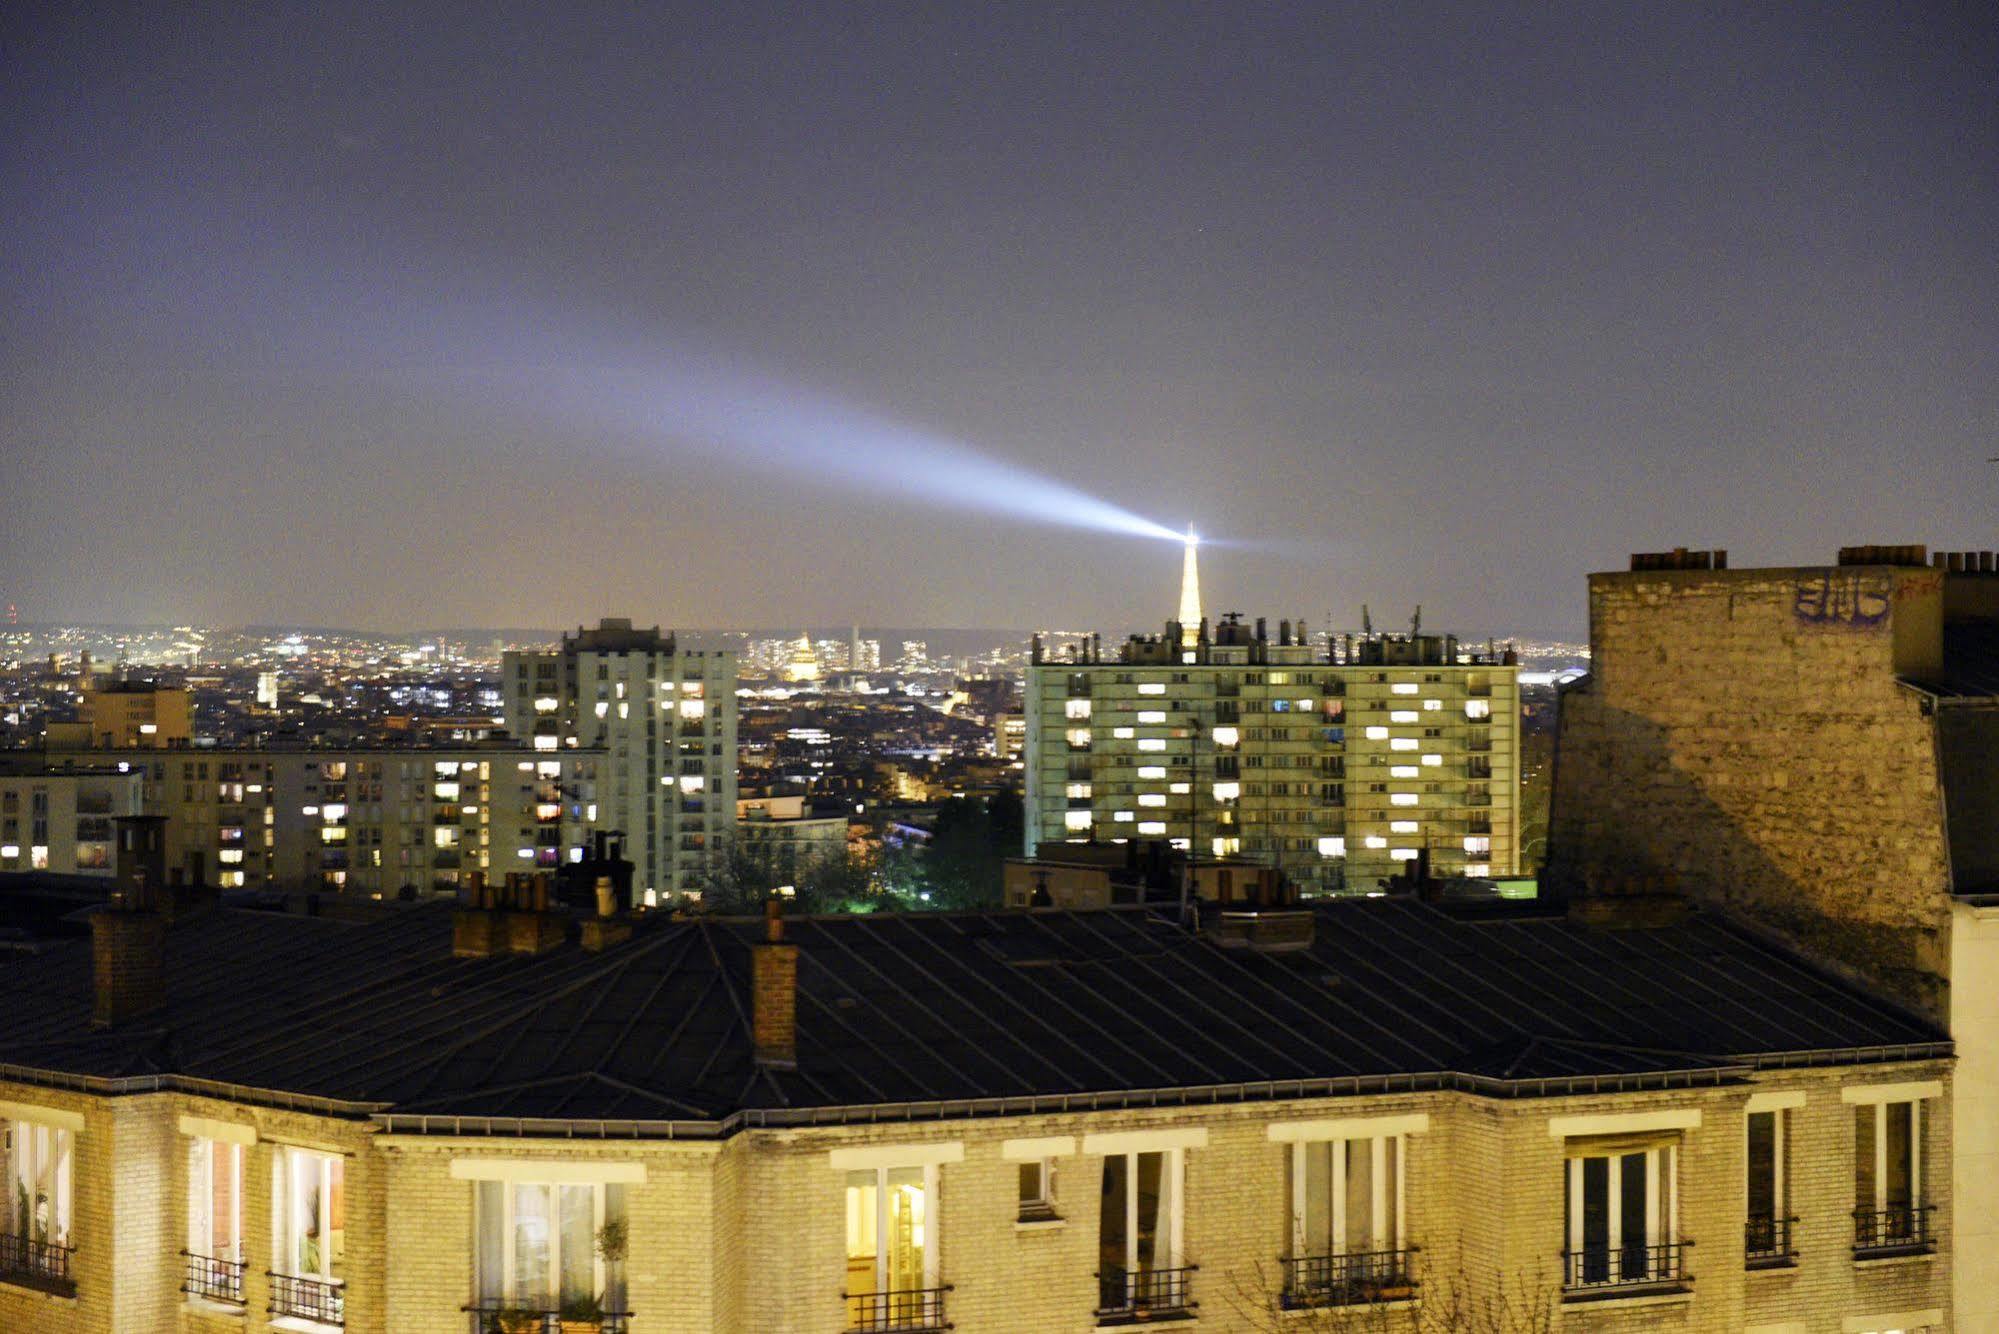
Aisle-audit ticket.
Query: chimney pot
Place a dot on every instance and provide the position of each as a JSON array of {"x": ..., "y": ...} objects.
[
  {"x": 774, "y": 993},
  {"x": 128, "y": 963}
]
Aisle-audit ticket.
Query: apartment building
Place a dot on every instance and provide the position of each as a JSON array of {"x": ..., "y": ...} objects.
[
  {"x": 359, "y": 821},
  {"x": 665, "y": 719},
  {"x": 1336, "y": 766},
  {"x": 454, "y": 1122},
  {"x": 59, "y": 819},
  {"x": 126, "y": 715},
  {"x": 1815, "y": 748}
]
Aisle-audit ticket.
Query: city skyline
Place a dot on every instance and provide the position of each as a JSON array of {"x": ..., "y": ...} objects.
[{"x": 712, "y": 318}]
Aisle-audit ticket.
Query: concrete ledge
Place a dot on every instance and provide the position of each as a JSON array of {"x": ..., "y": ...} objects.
[
  {"x": 1890, "y": 1261},
  {"x": 1576, "y": 1306},
  {"x": 1039, "y": 1224}
]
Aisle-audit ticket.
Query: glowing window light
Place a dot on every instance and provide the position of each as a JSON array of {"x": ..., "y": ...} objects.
[
  {"x": 1478, "y": 843},
  {"x": 1152, "y": 743},
  {"x": 1402, "y": 799},
  {"x": 1227, "y": 736},
  {"x": 1123, "y": 816},
  {"x": 1478, "y": 708},
  {"x": 1403, "y": 743},
  {"x": 1403, "y": 716},
  {"x": 1375, "y": 841},
  {"x": 1402, "y": 826},
  {"x": 1333, "y": 846},
  {"x": 693, "y": 708},
  {"x": 1152, "y": 771},
  {"x": 1152, "y": 715},
  {"x": 1433, "y": 759},
  {"x": 1406, "y": 688},
  {"x": 1078, "y": 790},
  {"x": 1152, "y": 798},
  {"x": 1152, "y": 688},
  {"x": 1483, "y": 870},
  {"x": 1432, "y": 705},
  {"x": 1227, "y": 791},
  {"x": 1124, "y": 733},
  {"x": 1404, "y": 771},
  {"x": 603, "y": 707},
  {"x": 1076, "y": 821},
  {"x": 1077, "y": 709},
  {"x": 1181, "y": 789},
  {"x": 1152, "y": 826},
  {"x": 1402, "y": 854},
  {"x": 1377, "y": 734}
]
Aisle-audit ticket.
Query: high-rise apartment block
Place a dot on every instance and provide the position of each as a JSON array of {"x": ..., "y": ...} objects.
[
  {"x": 665, "y": 719},
  {"x": 1337, "y": 767}
]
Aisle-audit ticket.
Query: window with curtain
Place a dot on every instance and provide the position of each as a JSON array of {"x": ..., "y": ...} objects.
[
  {"x": 310, "y": 1215},
  {"x": 39, "y": 1167},
  {"x": 215, "y": 1219},
  {"x": 1139, "y": 1230},
  {"x": 538, "y": 1245}
]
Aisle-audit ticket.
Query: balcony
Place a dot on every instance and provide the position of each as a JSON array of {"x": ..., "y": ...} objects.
[
  {"x": 213, "y": 1280},
  {"x": 1136, "y": 1297},
  {"x": 1601, "y": 1271},
  {"x": 1900, "y": 1229},
  {"x": 41, "y": 1265},
  {"x": 321, "y": 1301},
  {"x": 586, "y": 1318},
  {"x": 904, "y": 1310},
  {"x": 1766, "y": 1243},
  {"x": 1359, "y": 1279}
]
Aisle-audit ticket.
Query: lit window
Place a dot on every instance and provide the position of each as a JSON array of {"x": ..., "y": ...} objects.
[
  {"x": 229, "y": 856},
  {"x": 1152, "y": 799},
  {"x": 540, "y": 1247},
  {"x": 1152, "y": 688},
  {"x": 1346, "y": 1206},
  {"x": 1478, "y": 708},
  {"x": 1227, "y": 791},
  {"x": 545, "y": 704},
  {"x": 1402, "y": 854},
  {"x": 1403, "y": 771},
  {"x": 689, "y": 783},
  {"x": 40, "y": 1170},
  {"x": 691, "y": 709},
  {"x": 1151, "y": 716},
  {"x": 1333, "y": 846},
  {"x": 544, "y": 743},
  {"x": 1180, "y": 789},
  {"x": 1377, "y": 734},
  {"x": 1077, "y": 709},
  {"x": 1405, "y": 688},
  {"x": 1375, "y": 842},
  {"x": 1152, "y": 743},
  {"x": 1124, "y": 733},
  {"x": 1080, "y": 737},
  {"x": 1480, "y": 869},
  {"x": 1403, "y": 743},
  {"x": 1478, "y": 843},
  {"x": 1403, "y": 716},
  {"x": 1151, "y": 826},
  {"x": 1152, "y": 771},
  {"x": 1076, "y": 821},
  {"x": 1433, "y": 705},
  {"x": 1402, "y": 826},
  {"x": 891, "y": 1244},
  {"x": 1227, "y": 736},
  {"x": 1123, "y": 816},
  {"x": 1078, "y": 790},
  {"x": 603, "y": 707},
  {"x": 335, "y": 811},
  {"x": 215, "y": 1220},
  {"x": 1433, "y": 759},
  {"x": 310, "y": 1225},
  {"x": 1402, "y": 798}
]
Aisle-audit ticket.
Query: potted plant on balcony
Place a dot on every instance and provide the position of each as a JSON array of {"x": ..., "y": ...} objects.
[
  {"x": 581, "y": 1315},
  {"x": 511, "y": 1320}
]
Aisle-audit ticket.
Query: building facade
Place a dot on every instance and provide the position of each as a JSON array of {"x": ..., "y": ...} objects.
[
  {"x": 1815, "y": 748},
  {"x": 362, "y": 821},
  {"x": 1336, "y": 767},
  {"x": 664, "y": 718},
  {"x": 396, "y": 1175},
  {"x": 60, "y": 819}
]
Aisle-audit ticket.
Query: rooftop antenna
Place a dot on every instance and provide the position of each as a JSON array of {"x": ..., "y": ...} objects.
[
  {"x": 1366, "y": 621},
  {"x": 1416, "y": 622}
]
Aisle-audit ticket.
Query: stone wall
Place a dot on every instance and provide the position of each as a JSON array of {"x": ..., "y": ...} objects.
[{"x": 1741, "y": 736}]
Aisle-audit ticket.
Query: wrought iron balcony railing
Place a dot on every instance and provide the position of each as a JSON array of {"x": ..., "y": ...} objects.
[
  {"x": 209, "y": 1276},
  {"x": 1900, "y": 1229},
  {"x": 1597, "y": 1269},
  {"x": 497, "y": 1317},
  {"x": 319, "y": 1300},
  {"x": 36, "y": 1264},
  {"x": 1133, "y": 1296},
  {"x": 1354, "y": 1279},
  {"x": 1767, "y": 1242},
  {"x": 902, "y": 1310}
]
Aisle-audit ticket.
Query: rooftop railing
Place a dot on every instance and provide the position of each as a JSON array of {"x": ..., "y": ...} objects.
[
  {"x": 1355, "y": 1279},
  {"x": 1135, "y": 1296}
]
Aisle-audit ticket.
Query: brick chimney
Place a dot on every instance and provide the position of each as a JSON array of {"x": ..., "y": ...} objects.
[
  {"x": 774, "y": 993},
  {"x": 128, "y": 957}
]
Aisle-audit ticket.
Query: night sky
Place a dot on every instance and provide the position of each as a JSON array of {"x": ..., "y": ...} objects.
[{"x": 472, "y": 315}]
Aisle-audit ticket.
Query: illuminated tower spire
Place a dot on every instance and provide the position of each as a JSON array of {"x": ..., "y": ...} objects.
[{"x": 1190, "y": 594}]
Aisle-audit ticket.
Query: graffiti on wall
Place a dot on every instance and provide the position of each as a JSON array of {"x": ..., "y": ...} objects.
[{"x": 1839, "y": 600}]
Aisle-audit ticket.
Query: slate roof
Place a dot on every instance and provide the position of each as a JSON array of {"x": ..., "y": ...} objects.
[{"x": 935, "y": 1008}]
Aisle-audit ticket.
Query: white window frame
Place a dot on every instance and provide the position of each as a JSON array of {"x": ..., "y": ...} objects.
[
  {"x": 284, "y": 1243},
  {"x": 1173, "y": 1181},
  {"x": 1662, "y": 1212},
  {"x": 1916, "y": 1192},
  {"x": 24, "y": 1135},
  {"x": 931, "y": 1237},
  {"x": 202, "y": 1166},
  {"x": 1336, "y": 1180},
  {"x": 507, "y": 1186}
]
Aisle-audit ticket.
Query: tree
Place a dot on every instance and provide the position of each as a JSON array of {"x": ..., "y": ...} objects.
[{"x": 961, "y": 866}]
